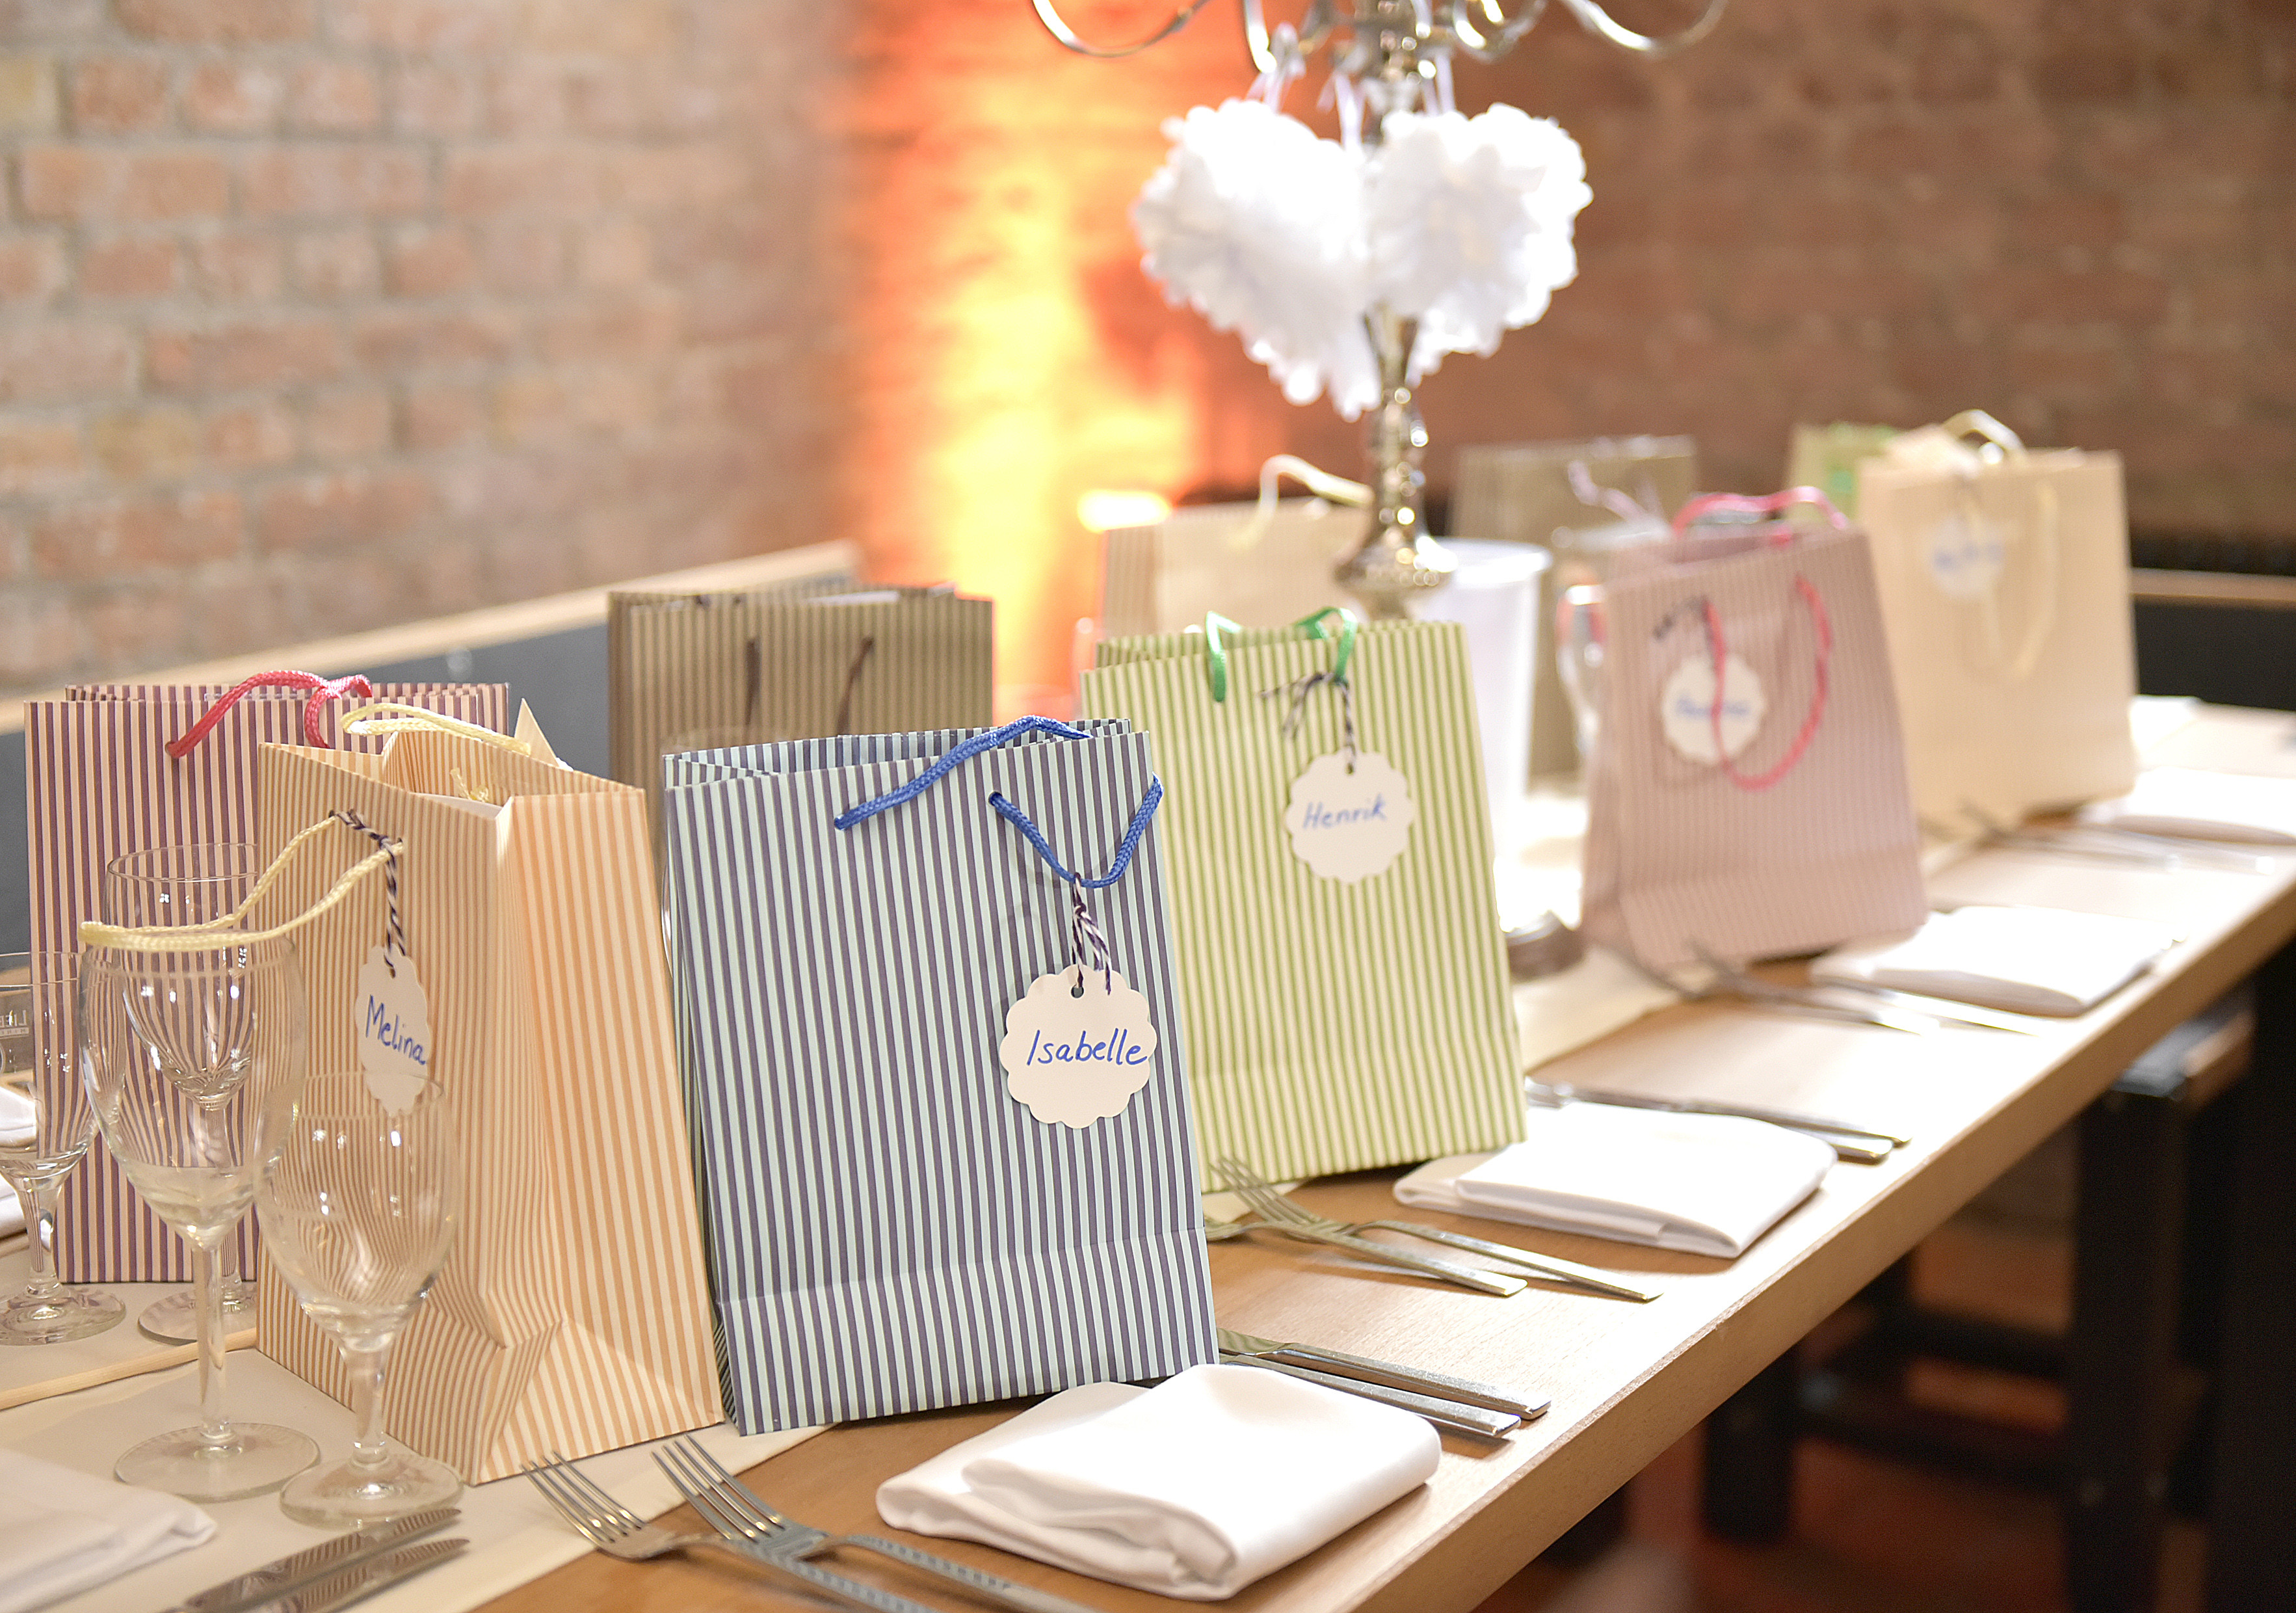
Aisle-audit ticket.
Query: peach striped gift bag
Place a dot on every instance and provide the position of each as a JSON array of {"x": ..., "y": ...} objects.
[{"x": 573, "y": 1314}]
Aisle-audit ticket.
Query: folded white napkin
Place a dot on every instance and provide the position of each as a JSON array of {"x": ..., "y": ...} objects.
[
  {"x": 65, "y": 1531},
  {"x": 1194, "y": 1488},
  {"x": 2028, "y": 961},
  {"x": 2203, "y": 806},
  {"x": 1707, "y": 1184}
]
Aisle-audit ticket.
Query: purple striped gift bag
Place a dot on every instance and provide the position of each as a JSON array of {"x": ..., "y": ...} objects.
[
  {"x": 573, "y": 1314},
  {"x": 1761, "y": 810},
  {"x": 113, "y": 769}
]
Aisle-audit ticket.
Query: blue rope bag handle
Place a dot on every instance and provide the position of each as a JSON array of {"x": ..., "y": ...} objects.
[{"x": 954, "y": 759}]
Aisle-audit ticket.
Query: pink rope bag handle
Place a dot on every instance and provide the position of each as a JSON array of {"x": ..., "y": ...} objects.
[
  {"x": 1778, "y": 534},
  {"x": 323, "y": 689}
]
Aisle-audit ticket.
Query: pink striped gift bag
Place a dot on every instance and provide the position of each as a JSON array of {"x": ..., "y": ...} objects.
[
  {"x": 573, "y": 1314},
  {"x": 111, "y": 769},
  {"x": 1747, "y": 795}
]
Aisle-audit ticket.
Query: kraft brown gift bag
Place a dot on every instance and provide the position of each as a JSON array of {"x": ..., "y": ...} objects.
[
  {"x": 111, "y": 769},
  {"x": 573, "y": 1314},
  {"x": 1764, "y": 812},
  {"x": 801, "y": 660}
]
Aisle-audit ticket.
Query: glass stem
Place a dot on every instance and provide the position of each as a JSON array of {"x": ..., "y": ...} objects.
[
  {"x": 229, "y": 1259},
  {"x": 215, "y": 1429},
  {"x": 363, "y": 1359},
  {"x": 41, "y": 1200}
]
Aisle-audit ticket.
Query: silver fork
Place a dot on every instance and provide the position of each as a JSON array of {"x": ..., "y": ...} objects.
[
  {"x": 1299, "y": 1221},
  {"x": 618, "y": 1532},
  {"x": 1294, "y": 1222},
  {"x": 738, "y": 1512}
]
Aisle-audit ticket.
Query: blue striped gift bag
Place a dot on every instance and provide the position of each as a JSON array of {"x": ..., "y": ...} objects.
[{"x": 857, "y": 921}]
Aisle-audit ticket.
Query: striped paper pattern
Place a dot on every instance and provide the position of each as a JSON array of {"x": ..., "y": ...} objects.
[
  {"x": 1159, "y": 579},
  {"x": 573, "y": 1314},
  {"x": 891, "y": 1231},
  {"x": 1676, "y": 853},
  {"x": 99, "y": 784},
  {"x": 2016, "y": 699},
  {"x": 681, "y": 667},
  {"x": 1331, "y": 1027}
]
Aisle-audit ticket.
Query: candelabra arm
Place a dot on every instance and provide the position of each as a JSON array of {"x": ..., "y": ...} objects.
[
  {"x": 1060, "y": 30},
  {"x": 1502, "y": 31},
  {"x": 1597, "y": 22}
]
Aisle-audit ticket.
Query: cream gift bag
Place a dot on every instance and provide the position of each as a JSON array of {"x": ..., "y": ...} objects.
[
  {"x": 111, "y": 769},
  {"x": 573, "y": 1314},
  {"x": 2004, "y": 581},
  {"x": 1747, "y": 792},
  {"x": 1260, "y": 569}
]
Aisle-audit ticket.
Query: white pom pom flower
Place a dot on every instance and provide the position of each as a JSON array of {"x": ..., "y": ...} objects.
[
  {"x": 1462, "y": 224},
  {"x": 1259, "y": 226},
  {"x": 1468, "y": 224}
]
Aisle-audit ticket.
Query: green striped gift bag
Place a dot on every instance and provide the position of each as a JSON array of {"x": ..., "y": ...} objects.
[{"x": 1342, "y": 966}]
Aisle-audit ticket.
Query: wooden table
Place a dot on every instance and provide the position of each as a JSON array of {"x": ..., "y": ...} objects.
[{"x": 1628, "y": 1380}]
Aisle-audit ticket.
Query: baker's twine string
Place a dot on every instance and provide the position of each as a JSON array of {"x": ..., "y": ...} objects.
[
  {"x": 322, "y": 690},
  {"x": 208, "y": 935},
  {"x": 853, "y": 681},
  {"x": 1768, "y": 504},
  {"x": 1300, "y": 688},
  {"x": 396, "y": 717}
]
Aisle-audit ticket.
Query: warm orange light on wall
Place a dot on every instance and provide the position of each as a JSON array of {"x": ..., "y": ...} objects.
[{"x": 1010, "y": 354}]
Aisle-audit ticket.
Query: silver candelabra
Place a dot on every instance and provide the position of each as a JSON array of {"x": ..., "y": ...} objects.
[{"x": 1395, "y": 52}]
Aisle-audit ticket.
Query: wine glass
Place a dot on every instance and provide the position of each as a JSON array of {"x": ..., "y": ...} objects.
[
  {"x": 178, "y": 1049},
  {"x": 45, "y": 1123},
  {"x": 358, "y": 1202},
  {"x": 1579, "y": 649},
  {"x": 180, "y": 885}
]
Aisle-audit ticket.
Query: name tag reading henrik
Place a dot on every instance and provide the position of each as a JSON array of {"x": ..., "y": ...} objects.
[
  {"x": 1349, "y": 825},
  {"x": 392, "y": 1024},
  {"x": 1077, "y": 1046}
]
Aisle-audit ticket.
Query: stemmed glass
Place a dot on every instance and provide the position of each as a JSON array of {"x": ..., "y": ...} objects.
[
  {"x": 45, "y": 1128},
  {"x": 179, "y": 1050},
  {"x": 170, "y": 886},
  {"x": 358, "y": 1202}
]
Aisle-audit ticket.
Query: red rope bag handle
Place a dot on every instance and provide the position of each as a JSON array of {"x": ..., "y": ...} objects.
[{"x": 322, "y": 690}]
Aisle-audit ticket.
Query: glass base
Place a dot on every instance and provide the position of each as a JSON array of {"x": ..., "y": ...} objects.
[
  {"x": 261, "y": 1456},
  {"x": 68, "y": 1313},
  {"x": 177, "y": 1318},
  {"x": 344, "y": 1495}
]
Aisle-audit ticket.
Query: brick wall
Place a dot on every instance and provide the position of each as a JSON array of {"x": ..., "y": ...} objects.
[
  {"x": 317, "y": 315},
  {"x": 2080, "y": 214}
]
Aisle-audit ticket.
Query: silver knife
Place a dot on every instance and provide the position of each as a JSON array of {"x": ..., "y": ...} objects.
[
  {"x": 364, "y": 1579},
  {"x": 1393, "y": 1374},
  {"x": 1449, "y": 1414},
  {"x": 328, "y": 1557},
  {"x": 1567, "y": 1093}
]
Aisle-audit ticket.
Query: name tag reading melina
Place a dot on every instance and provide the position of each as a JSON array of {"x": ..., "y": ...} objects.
[
  {"x": 1349, "y": 824},
  {"x": 393, "y": 1027},
  {"x": 1077, "y": 1046}
]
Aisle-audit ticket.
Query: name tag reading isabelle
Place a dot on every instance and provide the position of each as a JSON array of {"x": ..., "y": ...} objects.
[
  {"x": 1349, "y": 824},
  {"x": 393, "y": 1026},
  {"x": 1077, "y": 1046}
]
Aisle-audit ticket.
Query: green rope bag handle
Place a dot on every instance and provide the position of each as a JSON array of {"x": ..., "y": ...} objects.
[{"x": 1316, "y": 625}]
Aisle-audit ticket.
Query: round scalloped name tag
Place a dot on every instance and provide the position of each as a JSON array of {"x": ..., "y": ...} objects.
[
  {"x": 1077, "y": 1046},
  {"x": 392, "y": 1021},
  {"x": 1966, "y": 554},
  {"x": 1350, "y": 823},
  {"x": 1686, "y": 709}
]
